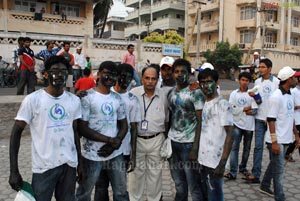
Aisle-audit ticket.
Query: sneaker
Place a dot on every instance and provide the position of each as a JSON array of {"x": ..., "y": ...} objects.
[{"x": 266, "y": 191}]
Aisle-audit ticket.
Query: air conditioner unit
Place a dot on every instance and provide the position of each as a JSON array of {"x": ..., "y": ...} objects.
[{"x": 242, "y": 45}]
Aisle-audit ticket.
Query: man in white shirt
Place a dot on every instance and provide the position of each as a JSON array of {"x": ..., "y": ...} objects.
[
  {"x": 152, "y": 130},
  {"x": 267, "y": 85},
  {"x": 243, "y": 108},
  {"x": 296, "y": 95},
  {"x": 281, "y": 127},
  {"x": 216, "y": 136},
  {"x": 79, "y": 64},
  {"x": 133, "y": 113},
  {"x": 103, "y": 126},
  {"x": 52, "y": 115}
]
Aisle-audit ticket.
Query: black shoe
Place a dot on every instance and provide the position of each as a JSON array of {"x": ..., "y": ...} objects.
[
  {"x": 229, "y": 176},
  {"x": 252, "y": 180},
  {"x": 266, "y": 191}
]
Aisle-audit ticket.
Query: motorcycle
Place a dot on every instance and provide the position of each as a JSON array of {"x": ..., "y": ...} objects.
[{"x": 8, "y": 77}]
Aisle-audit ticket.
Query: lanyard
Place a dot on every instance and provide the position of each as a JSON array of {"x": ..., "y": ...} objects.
[{"x": 146, "y": 108}]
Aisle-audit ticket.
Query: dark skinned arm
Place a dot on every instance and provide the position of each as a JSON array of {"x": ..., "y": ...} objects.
[
  {"x": 194, "y": 152},
  {"x": 275, "y": 145},
  {"x": 78, "y": 148},
  {"x": 219, "y": 171},
  {"x": 15, "y": 178},
  {"x": 133, "y": 133}
]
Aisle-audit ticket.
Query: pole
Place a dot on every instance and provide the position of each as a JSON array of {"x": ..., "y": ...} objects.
[
  {"x": 263, "y": 33},
  {"x": 198, "y": 37}
]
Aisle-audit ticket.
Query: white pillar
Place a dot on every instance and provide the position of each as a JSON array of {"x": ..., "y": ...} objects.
[
  {"x": 282, "y": 23},
  {"x": 289, "y": 25},
  {"x": 221, "y": 20}
]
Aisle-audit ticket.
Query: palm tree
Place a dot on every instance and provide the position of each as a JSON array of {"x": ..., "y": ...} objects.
[{"x": 101, "y": 9}]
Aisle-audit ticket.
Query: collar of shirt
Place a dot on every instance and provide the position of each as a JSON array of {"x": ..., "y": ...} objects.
[
  {"x": 270, "y": 78},
  {"x": 239, "y": 90},
  {"x": 283, "y": 91},
  {"x": 156, "y": 93}
]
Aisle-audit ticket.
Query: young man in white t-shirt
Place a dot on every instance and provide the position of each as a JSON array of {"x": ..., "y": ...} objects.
[
  {"x": 281, "y": 127},
  {"x": 267, "y": 85},
  {"x": 296, "y": 95},
  {"x": 243, "y": 108},
  {"x": 103, "y": 126},
  {"x": 186, "y": 109},
  {"x": 216, "y": 135},
  {"x": 133, "y": 113},
  {"x": 52, "y": 115}
]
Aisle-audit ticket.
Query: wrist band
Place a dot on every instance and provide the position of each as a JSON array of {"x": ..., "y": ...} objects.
[{"x": 273, "y": 137}]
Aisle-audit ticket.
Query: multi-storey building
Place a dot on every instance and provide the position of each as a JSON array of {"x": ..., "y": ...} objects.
[
  {"x": 154, "y": 15},
  {"x": 246, "y": 22}
]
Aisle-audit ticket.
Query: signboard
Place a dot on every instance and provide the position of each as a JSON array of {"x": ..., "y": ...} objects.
[{"x": 172, "y": 50}]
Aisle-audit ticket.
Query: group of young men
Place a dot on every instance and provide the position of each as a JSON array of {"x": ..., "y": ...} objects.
[
  {"x": 23, "y": 60},
  {"x": 110, "y": 132}
]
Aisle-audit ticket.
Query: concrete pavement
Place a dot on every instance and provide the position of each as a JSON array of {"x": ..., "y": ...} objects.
[{"x": 234, "y": 190}]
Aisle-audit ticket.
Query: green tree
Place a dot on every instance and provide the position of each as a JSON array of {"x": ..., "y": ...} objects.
[
  {"x": 101, "y": 10},
  {"x": 224, "y": 56},
  {"x": 170, "y": 37}
]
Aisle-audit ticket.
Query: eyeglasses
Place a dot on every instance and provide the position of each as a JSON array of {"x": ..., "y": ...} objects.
[
  {"x": 207, "y": 82},
  {"x": 262, "y": 67}
]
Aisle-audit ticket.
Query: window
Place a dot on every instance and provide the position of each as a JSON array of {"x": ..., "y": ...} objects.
[
  {"x": 294, "y": 41},
  {"x": 25, "y": 5},
  {"x": 271, "y": 37},
  {"x": 68, "y": 9},
  {"x": 271, "y": 16},
  {"x": 295, "y": 21},
  {"x": 246, "y": 36},
  {"x": 247, "y": 12},
  {"x": 296, "y": 2}
]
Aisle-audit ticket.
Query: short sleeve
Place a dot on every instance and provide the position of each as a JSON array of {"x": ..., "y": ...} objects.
[
  {"x": 199, "y": 99},
  {"x": 225, "y": 113},
  {"x": 273, "y": 107},
  {"x": 20, "y": 51},
  {"x": 135, "y": 111},
  {"x": 121, "y": 114},
  {"x": 25, "y": 112},
  {"x": 78, "y": 111}
]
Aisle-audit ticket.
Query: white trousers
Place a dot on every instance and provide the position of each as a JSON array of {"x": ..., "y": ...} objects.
[{"x": 147, "y": 174}]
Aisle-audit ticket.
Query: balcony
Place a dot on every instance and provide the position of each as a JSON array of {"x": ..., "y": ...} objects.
[
  {"x": 273, "y": 25},
  {"x": 131, "y": 3},
  {"x": 145, "y": 10},
  {"x": 133, "y": 15},
  {"x": 134, "y": 29},
  {"x": 203, "y": 48},
  {"x": 241, "y": 2},
  {"x": 296, "y": 30},
  {"x": 165, "y": 4},
  {"x": 49, "y": 24},
  {"x": 210, "y": 6},
  {"x": 246, "y": 23},
  {"x": 209, "y": 26},
  {"x": 270, "y": 45}
]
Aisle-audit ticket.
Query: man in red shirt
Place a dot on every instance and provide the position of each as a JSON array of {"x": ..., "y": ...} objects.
[
  {"x": 86, "y": 82},
  {"x": 27, "y": 63},
  {"x": 69, "y": 57},
  {"x": 129, "y": 58}
]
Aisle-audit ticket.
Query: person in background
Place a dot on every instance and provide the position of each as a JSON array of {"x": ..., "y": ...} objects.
[
  {"x": 27, "y": 73},
  {"x": 129, "y": 58},
  {"x": 15, "y": 58},
  {"x": 244, "y": 108},
  {"x": 216, "y": 136},
  {"x": 69, "y": 57},
  {"x": 167, "y": 79},
  {"x": 280, "y": 118},
  {"x": 86, "y": 82},
  {"x": 88, "y": 63},
  {"x": 52, "y": 115},
  {"x": 79, "y": 64}
]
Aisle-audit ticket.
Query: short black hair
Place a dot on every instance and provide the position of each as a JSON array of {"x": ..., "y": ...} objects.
[
  {"x": 27, "y": 39},
  {"x": 144, "y": 69},
  {"x": 20, "y": 39},
  {"x": 55, "y": 60},
  {"x": 66, "y": 43},
  {"x": 109, "y": 65},
  {"x": 86, "y": 71},
  {"x": 49, "y": 42},
  {"x": 208, "y": 73},
  {"x": 155, "y": 66},
  {"x": 266, "y": 61},
  {"x": 246, "y": 75},
  {"x": 129, "y": 46},
  {"x": 182, "y": 62},
  {"x": 125, "y": 68}
]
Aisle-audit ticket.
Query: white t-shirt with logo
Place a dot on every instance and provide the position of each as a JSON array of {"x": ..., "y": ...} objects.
[
  {"x": 102, "y": 111},
  {"x": 215, "y": 115},
  {"x": 51, "y": 125},
  {"x": 267, "y": 87},
  {"x": 296, "y": 94},
  {"x": 238, "y": 101},
  {"x": 133, "y": 114},
  {"x": 281, "y": 107}
]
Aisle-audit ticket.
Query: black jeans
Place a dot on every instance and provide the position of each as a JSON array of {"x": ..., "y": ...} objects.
[
  {"x": 26, "y": 78},
  {"x": 292, "y": 146}
]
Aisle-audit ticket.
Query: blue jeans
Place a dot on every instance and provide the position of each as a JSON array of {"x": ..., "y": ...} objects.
[
  {"x": 116, "y": 173},
  {"x": 234, "y": 155},
  {"x": 275, "y": 171},
  {"x": 260, "y": 130},
  {"x": 136, "y": 78},
  {"x": 60, "y": 180},
  {"x": 185, "y": 173},
  {"x": 77, "y": 73},
  {"x": 214, "y": 186}
]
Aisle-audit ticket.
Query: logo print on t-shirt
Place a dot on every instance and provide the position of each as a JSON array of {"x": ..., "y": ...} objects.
[
  {"x": 267, "y": 89},
  {"x": 107, "y": 108},
  {"x": 57, "y": 112},
  {"x": 242, "y": 101},
  {"x": 289, "y": 105}
]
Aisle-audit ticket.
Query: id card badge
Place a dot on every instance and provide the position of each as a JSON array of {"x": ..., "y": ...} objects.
[{"x": 144, "y": 125}]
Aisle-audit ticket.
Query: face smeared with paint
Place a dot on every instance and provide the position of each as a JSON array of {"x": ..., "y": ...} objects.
[
  {"x": 57, "y": 75},
  {"x": 108, "y": 78},
  {"x": 181, "y": 75},
  {"x": 124, "y": 80},
  {"x": 209, "y": 86}
]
